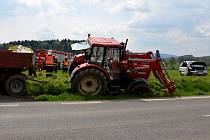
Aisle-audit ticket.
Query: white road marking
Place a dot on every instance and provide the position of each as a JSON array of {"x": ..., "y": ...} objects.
[
  {"x": 206, "y": 115},
  {"x": 150, "y": 100},
  {"x": 9, "y": 105},
  {"x": 195, "y": 97},
  {"x": 176, "y": 98},
  {"x": 80, "y": 103}
]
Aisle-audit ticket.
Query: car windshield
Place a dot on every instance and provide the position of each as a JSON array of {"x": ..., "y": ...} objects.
[{"x": 197, "y": 66}]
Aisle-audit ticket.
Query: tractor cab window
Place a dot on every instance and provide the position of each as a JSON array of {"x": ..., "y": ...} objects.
[
  {"x": 97, "y": 55},
  {"x": 112, "y": 61}
]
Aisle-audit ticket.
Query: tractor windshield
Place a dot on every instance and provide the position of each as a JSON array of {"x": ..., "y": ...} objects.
[
  {"x": 97, "y": 55},
  {"x": 112, "y": 56},
  {"x": 110, "y": 60}
]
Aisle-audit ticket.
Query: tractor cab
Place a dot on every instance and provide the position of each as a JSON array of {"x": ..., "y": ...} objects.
[
  {"x": 102, "y": 67},
  {"x": 105, "y": 52}
]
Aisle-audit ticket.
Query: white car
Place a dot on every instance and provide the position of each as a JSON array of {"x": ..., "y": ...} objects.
[{"x": 193, "y": 68}]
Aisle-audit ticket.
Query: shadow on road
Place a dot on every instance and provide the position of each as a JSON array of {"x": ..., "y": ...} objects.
[{"x": 7, "y": 99}]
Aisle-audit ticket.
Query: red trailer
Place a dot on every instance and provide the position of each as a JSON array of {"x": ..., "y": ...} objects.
[{"x": 11, "y": 66}]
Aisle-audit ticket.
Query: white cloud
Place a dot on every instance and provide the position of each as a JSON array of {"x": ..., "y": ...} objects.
[
  {"x": 175, "y": 24},
  {"x": 148, "y": 24},
  {"x": 45, "y": 34},
  {"x": 47, "y": 8},
  {"x": 90, "y": 1},
  {"x": 132, "y": 5},
  {"x": 31, "y": 2},
  {"x": 204, "y": 29}
]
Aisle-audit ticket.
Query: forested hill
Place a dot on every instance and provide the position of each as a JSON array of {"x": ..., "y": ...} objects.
[
  {"x": 192, "y": 58},
  {"x": 174, "y": 62},
  {"x": 61, "y": 45}
]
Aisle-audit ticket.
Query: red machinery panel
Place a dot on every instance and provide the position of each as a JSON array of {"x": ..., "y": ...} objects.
[{"x": 10, "y": 59}]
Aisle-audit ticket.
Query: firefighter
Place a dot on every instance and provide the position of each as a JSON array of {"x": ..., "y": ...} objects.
[
  {"x": 39, "y": 62},
  {"x": 157, "y": 54},
  {"x": 49, "y": 64},
  {"x": 33, "y": 68},
  {"x": 56, "y": 64},
  {"x": 65, "y": 64}
]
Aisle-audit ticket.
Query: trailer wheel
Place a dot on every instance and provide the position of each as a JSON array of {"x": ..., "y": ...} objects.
[
  {"x": 15, "y": 85},
  {"x": 139, "y": 87},
  {"x": 90, "y": 82}
]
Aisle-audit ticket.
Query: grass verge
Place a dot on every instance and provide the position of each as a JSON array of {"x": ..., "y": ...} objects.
[{"x": 58, "y": 88}]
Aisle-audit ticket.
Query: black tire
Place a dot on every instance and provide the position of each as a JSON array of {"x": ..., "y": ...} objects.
[
  {"x": 189, "y": 74},
  {"x": 15, "y": 85},
  {"x": 90, "y": 82},
  {"x": 140, "y": 87},
  {"x": 2, "y": 87},
  {"x": 72, "y": 67}
]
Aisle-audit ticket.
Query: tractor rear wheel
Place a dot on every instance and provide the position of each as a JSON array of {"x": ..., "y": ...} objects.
[
  {"x": 90, "y": 82},
  {"x": 15, "y": 85}
]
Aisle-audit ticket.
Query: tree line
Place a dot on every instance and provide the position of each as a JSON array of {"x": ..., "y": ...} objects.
[
  {"x": 65, "y": 45},
  {"x": 60, "y": 45}
]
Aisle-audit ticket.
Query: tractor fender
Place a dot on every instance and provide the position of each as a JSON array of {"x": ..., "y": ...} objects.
[
  {"x": 87, "y": 66},
  {"x": 80, "y": 58}
]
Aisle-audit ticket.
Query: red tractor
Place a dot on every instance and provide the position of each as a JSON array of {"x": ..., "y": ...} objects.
[{"x": 107, "y": 66}]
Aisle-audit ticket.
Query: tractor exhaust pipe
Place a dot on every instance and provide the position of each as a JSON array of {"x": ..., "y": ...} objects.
[
  {"x": 126, "y": 43},
  {"x": 124, "y": 48}
]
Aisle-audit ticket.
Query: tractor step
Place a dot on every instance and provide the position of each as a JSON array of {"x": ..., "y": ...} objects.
[{"x": 114, "y": 87}]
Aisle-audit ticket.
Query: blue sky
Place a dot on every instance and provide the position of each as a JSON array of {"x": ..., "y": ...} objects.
[{"x": 173, "y": 26}]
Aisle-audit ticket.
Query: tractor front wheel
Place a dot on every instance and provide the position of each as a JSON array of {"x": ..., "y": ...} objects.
[
  {"x": 139, "y": 87},
  {"x": 90, "y": 82}
]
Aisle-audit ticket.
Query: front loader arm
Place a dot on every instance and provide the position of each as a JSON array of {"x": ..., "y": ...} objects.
[
  {"x": 140, "y": 65},
  {"x": 161, "y": 74}
]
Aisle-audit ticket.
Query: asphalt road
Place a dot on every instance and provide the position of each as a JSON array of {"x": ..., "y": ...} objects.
[{"x": 187, "y": 119}]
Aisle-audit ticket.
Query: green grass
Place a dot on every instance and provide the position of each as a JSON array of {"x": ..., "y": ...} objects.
[
  {"x": 76, "y": 97},
  {"x": 58, "y": 88},
  {"x": 185, "y": 85},
  {"x": 56, "y": 85}
]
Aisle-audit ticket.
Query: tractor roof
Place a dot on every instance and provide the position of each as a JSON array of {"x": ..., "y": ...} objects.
[{"x": 104, "y": 42}]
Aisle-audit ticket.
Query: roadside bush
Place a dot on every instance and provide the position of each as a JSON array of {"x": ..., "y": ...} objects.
[{"x": 55, "y": 85}]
